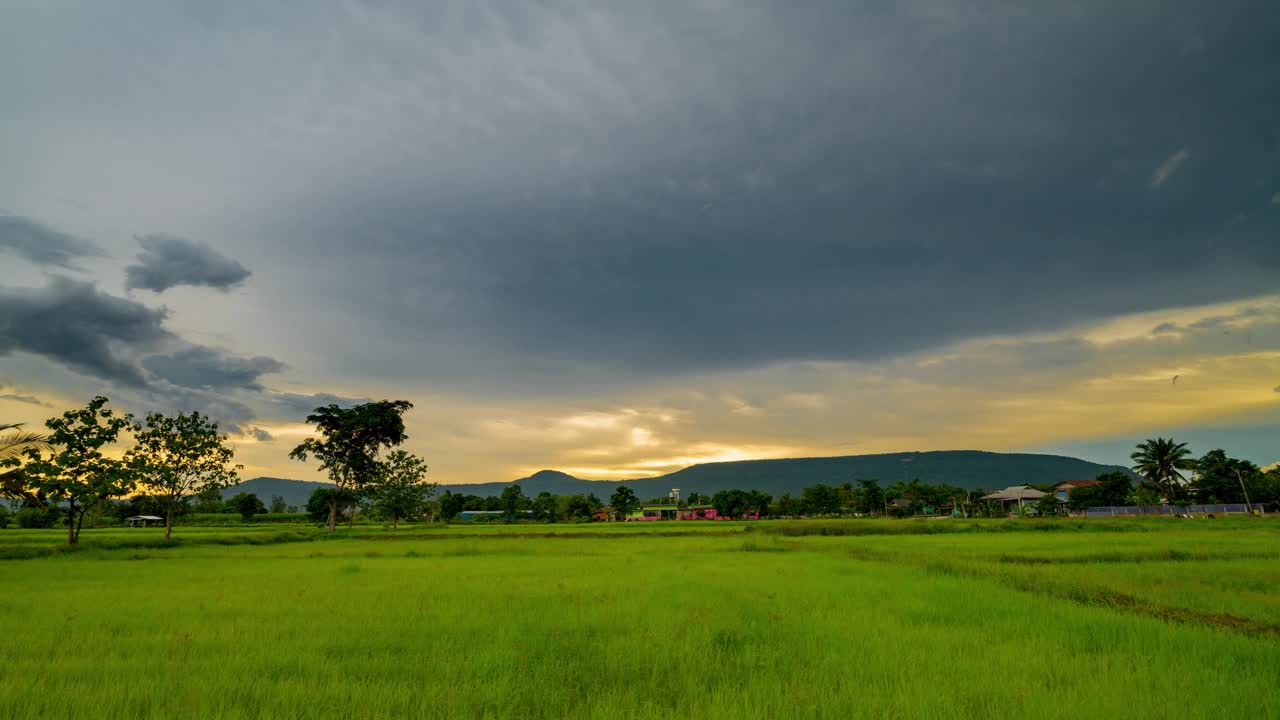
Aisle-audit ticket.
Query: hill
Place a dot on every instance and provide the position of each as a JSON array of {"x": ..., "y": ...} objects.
[
  {"x": 295, "y": 492},
  {"x": 969, "y": 469}
]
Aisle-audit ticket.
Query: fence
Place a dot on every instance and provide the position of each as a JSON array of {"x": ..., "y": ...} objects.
[{"x": 1127, "y": 510}]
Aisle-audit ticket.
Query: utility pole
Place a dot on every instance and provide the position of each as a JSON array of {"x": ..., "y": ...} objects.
[{"x": 1247, "y": 505}]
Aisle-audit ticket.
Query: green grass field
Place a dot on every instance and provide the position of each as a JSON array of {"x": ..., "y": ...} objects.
[{"x": 1152, "y": 618}]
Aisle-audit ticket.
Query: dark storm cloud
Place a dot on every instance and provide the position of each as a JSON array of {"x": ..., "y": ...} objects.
[
  {"x": 42, "y": 245},
  {"x": 168, "y": 262},
  {"x": 511, "y": 193},
  {"x": 831, "y": 182},
  {"x": 298, "y": 405},
  {"x": 76, "y": 325},
  {"x": 211, "y": 369}
]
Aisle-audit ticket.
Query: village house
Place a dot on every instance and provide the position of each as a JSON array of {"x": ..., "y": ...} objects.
[
  {"x": 1019, "y": 495},
  {"x": 1063, "y": 489}
]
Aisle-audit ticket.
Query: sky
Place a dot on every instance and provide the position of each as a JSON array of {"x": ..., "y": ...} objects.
[{"x": 619, "y": 238}]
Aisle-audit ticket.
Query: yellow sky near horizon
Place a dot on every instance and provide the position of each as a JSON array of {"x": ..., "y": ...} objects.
[{"x": 1106, "y": 379}]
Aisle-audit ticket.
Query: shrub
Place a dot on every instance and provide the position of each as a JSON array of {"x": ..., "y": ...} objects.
[
  {"x": 33, "y": 518},
  {"x": 4, "y": 518}
]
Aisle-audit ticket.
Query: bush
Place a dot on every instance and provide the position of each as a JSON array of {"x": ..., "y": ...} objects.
[
  {"x": 33, "y": 518},
  {"x": 4, "y": 518}
]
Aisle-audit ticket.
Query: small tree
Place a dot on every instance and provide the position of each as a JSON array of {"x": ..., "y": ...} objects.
[
  {"x": 350, "y": 442},
  {"x": 1048, "y": 506},
  {"x": 513, "y": 501},
  {"x": 623, "y": 501},
  {"x": 248, "y": 505},
  {"x": 544, "y": 506},
  {"x": 77, "y": 472},
  {"x": 181, "y": 456},
  {"x": 279, "y": 504},
  {"x": 1160, "y": 461},
  {"x": 400, "y": 490}
]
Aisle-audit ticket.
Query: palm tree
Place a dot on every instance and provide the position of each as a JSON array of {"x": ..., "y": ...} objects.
[
  {"x": 13, "y": 443},
  {"x": 1159, "y": 461}
]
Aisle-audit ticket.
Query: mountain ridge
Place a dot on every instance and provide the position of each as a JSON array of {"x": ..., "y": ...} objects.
[{"x": 969, "y": 469}]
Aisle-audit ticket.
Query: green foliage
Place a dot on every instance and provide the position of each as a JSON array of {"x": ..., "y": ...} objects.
[
  {"x": 1223, "y": 479},
  {"x": 180, "y": 456},
  {"x": 31, "y": 518},
  {"x": 279, "y": 504},
  {"x": 4, "y": 517},
  {"x": 1048, "y": 506},
  {"x": 324, "y": 499},
  {"x": 248, "y": 505},
  {"x": 1160, "y": 462},
  {"x": 1114, "y": 488},
  {"x": 77, "y": 472},
  {"x": 513, "y": 502},
  {"x": 400, "y": 489},
  {"x": 350, "y": 442},
  {"x": 623, "y": 501}
]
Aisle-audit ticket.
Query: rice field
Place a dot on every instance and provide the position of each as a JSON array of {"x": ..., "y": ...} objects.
[{"x": 879, "y": 619}]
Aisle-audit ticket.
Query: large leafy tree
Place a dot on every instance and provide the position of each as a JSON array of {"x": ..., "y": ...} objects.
[
  {"x": 350, "y": 443},
  {"x": 401, "y": 489},
  {"x": 1220, "y": 478},
  {"x": 178, "y": 457},
  {"x": 623, "y": 501},
  {"x": 77, "y": 472},
  {"x": 1160, "y": 462}
]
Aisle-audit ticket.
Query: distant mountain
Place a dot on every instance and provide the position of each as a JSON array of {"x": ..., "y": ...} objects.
[
  {"x": 969, "y": 469},
  {"x": 295, "y": 492}
]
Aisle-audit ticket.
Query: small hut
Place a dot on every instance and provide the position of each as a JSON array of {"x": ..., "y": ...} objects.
[{"x": 145, "y": 521}]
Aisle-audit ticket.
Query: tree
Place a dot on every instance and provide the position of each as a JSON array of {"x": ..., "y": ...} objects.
[
  {"x": 1159, "y": 462},
  {"x": 513, "y": 501},
  {"x": 451, "y": 505},
  {"x": 321, "y": 499},
  {"x": 14, "y": 444},
  {"x": 279, "y": 504},
  {"x": 623, "y": 501},
  {"x": 820, "y": 500},
  {"x": 1223, "y": 479},
  {"x": 758, "y": 501},
  {"x": 1113, "y": 488},
  {"x": 1048, "y": 506},
  {"x": 351, "y": 440},
  {"x": 872, "y": 496},
  {"x": 77, "y": 472},
  {"x": 580, "y": 507},
  {"x": 180, "y": 456},
  {"x": 400, "y": 490},
  {"x": 730, "y": 503},
  {"x": 544, "y": 506},
  {"x": 248, "y": 505}
]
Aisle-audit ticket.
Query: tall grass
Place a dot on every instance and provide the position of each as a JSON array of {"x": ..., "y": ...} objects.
[{"x": 708, "y": 624}]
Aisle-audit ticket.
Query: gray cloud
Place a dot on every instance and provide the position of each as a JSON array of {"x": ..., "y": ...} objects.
[
  {"x": 28, "y": 399},
  {"x": 76, "y": 325},
  {"x": 297, "y": 405},
  {"x": 260, "y": 435},
  {"x": 167, "y": 261},
  {"x": 533, "y": 197},
  {"x": 211, "y": 369},
  {"x": 43, "y": 245}
]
